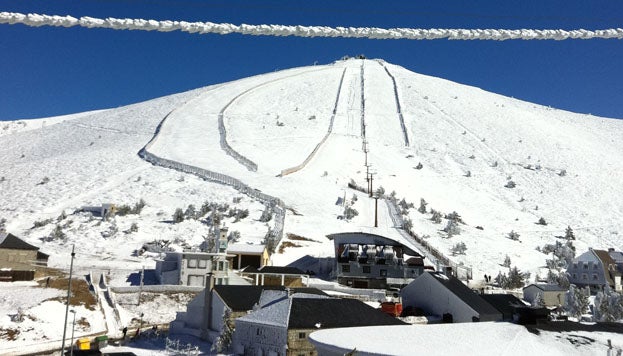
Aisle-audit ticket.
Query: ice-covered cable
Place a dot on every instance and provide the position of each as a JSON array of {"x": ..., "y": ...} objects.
[{"x": 307, "y": 31}]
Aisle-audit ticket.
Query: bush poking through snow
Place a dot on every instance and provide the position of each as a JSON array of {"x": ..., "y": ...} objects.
[
  {"x": 350, "y": 212},
  {"x": 422, "y": 208},
  {"x": 452, "y": 228},
  {"x": 458, "y": 249},
  {"x": 57, "y": 234},
  {"x": 407, "y": 224},
  {"x": 436, "y": 217},
  {"x": 513, "y": 235},
  {"x": 233, "y": 236},
  {"x": 419, "y": 166},
  {"x": 510, "y": 184},
  {"x": 542, "y": 221},
  {"x": 178, "y": 216},
  {"x": 569, "y": 235},
  {"x": 507, "y": 262},
  {"x": 134, "y": 227}
]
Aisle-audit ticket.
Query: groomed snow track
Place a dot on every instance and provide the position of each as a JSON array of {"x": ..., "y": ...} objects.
[{"x": 324, "y": 139}]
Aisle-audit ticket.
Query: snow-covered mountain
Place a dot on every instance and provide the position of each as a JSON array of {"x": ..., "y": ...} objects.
[{"x": 298, "y": 135}]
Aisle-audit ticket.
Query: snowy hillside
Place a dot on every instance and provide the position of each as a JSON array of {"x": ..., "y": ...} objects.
[{"x": 298, "y": 135}]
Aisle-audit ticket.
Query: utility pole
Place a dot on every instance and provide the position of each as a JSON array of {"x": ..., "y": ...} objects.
[
  {"x": 371, "y": 179},
  {"x": 376, "y": 211},
  {"x": 71, "y": 268},
  {"x": 140, "y": 291}
]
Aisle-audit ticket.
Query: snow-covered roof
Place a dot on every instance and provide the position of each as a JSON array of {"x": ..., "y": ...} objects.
[
  {"x": 246, "y": 248},
  {"x": 10, "y": 241},
  {"x": 548, "y": 287}
]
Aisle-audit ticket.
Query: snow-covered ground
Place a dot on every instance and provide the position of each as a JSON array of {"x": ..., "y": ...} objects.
[{"x": 276, "y": 120}]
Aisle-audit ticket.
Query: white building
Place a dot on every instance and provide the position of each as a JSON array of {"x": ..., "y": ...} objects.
[{"x": 448, "y": 297}]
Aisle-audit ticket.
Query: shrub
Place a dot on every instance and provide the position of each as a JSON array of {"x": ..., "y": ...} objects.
[
  {"x": 233, "y": 237},
  {"x": 419, "y": 166},
  {"x": 134, "y": 227},
  {"x": 458, "y": 249},
  {"x": 436, "y": 217},
  {"x": 542, "y": 221},
  {"x": 507, "y": 262},
  {"x": 513, "y": 235},
  {"x": 350, "y": 212},
  {"x": 422, "y": 208},
  {"x": 510, "y": 184},
  {"x": 178, "y": 216},
  {"x": 452, "y": 228}
]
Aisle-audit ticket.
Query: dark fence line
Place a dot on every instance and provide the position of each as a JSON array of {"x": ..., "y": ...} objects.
[{"x": 399, "y": 108}]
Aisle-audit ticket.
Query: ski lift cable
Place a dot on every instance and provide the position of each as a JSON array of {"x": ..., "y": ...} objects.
[{"x": 37, "y": 20}]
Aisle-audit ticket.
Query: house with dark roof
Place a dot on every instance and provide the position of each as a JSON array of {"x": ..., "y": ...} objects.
[
  {"x": 446, "y": 296},
  {"x": 18, "y": 258},
  {"x": 595, "y": 269},
  {"x": 205, "y": 314},
  {"x": 552, "y": 295},
  {"x": 282, "y": 323},
  {"x": 277, "y": 276}
]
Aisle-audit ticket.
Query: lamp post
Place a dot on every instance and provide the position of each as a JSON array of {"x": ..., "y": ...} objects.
[
  {"x": 73, "y": 328},
  {"x": 71, "y": 267}
]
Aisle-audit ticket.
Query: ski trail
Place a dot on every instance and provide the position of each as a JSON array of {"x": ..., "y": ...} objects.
[
  {"x": 299, "y": 167},
  {"x": 249, "y": 164}
]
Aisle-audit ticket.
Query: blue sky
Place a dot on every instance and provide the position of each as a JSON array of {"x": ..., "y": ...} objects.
[{"x": 49, "y": 71}]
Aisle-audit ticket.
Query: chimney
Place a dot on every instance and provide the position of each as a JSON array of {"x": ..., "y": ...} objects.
[{"x": 206, "y": 325}]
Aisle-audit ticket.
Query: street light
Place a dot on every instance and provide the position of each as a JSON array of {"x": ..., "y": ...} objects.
[{"x": 73, "y": 327}]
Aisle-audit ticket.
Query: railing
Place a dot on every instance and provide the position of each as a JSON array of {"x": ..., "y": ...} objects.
[
  {"x": 437, "y": 257},
  {"x": 398, "y": 107}
]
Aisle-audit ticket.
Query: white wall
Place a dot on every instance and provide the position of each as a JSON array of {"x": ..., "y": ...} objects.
[
  {"x": 429, "y": 294},
  {"x": 250, "y": 337}
]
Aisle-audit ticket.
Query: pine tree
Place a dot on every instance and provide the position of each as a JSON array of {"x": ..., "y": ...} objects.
[
  {"x": 576, "y": 301},
  {"x": 452, "y": 228},
  {"x": 190, "y": 212},
  {"x": 538, "y": 301},
  {"x": 513, "y": 235},
  {"x": 542, "y": 221},
  {"x": 436, "y": 218},
  {"x": 178, "y": 215},
  {"x": 422, "y": 208},
  {"x": 225, "y": 338},
  {"x": 458, "y": 249},
  {"x": 569, "y": 234},
  {"x": 507, "y": 262}
]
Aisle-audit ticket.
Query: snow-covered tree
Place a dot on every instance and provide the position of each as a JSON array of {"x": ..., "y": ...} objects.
[
  {"x": 233, "y": 236},
  {"x": 459, "y": 249},
  {"x": 507, "y": 261},
  {"x": 608, "y": 305},
  {"x": 455, "y": 217},
  {"x": 452, "y": 228},
  {"x": 190, "y": 212},
  {"x": 569, "y": 234},
  {"x": 576, "y": 301},
  {"x": 436, "y": 217},
  {"x": 350, "y": 212},
  {"x": 407, "y": 224},
  {"x": 513, "y": 235},
  {"x": 57, "y": 233},
  {"x": 422, "y": 208},
  {"x": 178, "y": 215},
  {"x": 224, "y": 340}
]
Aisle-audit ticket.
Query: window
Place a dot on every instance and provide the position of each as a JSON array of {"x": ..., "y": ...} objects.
[
  {"x": 366, "y": 269},
  {"x": 302, "y": 335},
  {"x": 595, "y": 276},
  {"x": 575, "y": 265},
  {"x": 584, "y": 276},
  {"x": 383, "y": 273},
  {"x": 203, "y": 264},
  {"x": 220, "y": 266},
  {"x": 575, "y": 276},
  {"x": 345, "y": 268},
  {"x": 192, "y": 263},
  {"x": 585, "y": 265}
]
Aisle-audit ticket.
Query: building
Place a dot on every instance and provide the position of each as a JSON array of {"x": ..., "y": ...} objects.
[
  {"x": 205, "y": 314},
  {"x": 281, "y": 325},
  {"x": 595, "y": 269},
  {"x": 367, "y": 260},
  {"x": 18, "y": 259},
  {"x": 447, "y": 297},
  {"x": 191, "y": 268},
  {"x": 507, "y": 304},
  {"x": 277, "y": 276},
  {"x": 248, "y": 255},
  {"x": 552, "y": 295}
]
